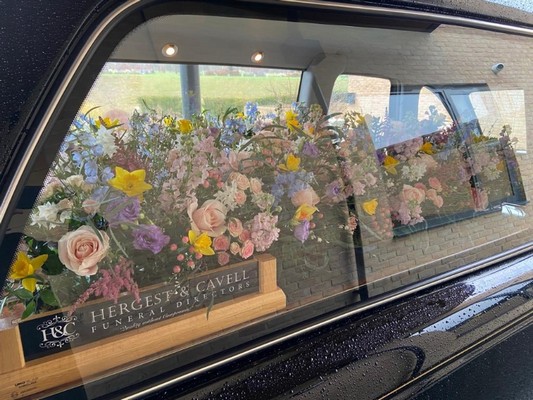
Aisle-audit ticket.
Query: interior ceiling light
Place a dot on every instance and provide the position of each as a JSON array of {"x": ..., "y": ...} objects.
[
  {"x": 169, "y": 50},
  {"x": 257, "y": 57}
]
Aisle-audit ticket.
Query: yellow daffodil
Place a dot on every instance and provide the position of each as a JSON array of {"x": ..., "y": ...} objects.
[
  {"x": 106, "y": 123},
  {"x": 304, "y": 213},
  {"x": 168, "y": 121},
  {"x": 390, "y": 163},
  {"x": 131, "y": 183},
  {"x": 240, "y": 115},
  {"x": 23, "y": 267},
  {"x": 370, "y": 206},
  {"x": 185, "y": 126},
  {"x": 292, "y": 163},
  {"x": 201, "y": 243},
  {"x": 292, "y": 120},
  {"x": 427, "y": 148}
]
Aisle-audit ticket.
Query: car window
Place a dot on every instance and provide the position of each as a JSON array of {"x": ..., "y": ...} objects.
[{"x": 248, "y": 176}]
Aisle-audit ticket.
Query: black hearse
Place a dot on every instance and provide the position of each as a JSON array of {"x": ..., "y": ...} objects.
[{"x": 266, "y": 199}]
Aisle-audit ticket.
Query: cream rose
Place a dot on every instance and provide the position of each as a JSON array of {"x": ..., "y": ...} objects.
[
  {"x": 82, "y": 249},
  {"x": 256, "y": 185},
  {"x": 305, "y": 196},
  {"x": 235, "y": 227},
  {"x": 210, "y": 218},
  {"x": 240, "y": 197}
]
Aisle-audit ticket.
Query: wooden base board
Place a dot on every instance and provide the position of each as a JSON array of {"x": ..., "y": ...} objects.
[{"x": 135, "y": 347}]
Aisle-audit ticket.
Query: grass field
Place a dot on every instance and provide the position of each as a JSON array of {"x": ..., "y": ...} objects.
[{"x": 162, "y": 91}]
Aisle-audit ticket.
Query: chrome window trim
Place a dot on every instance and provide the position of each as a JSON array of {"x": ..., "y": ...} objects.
[{"x": 402, "y": 293}]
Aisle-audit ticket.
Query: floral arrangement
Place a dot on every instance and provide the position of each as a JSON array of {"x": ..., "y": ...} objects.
[
  {"x": 150, "y": 198},
  {"x": 444, "y": 172},
  {"x": 134, "y": 201}
]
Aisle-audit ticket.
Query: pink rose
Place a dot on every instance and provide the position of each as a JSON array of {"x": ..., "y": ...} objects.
[
  {"x": 256, "y": 186},
  {"x": 305, "y": 196},
  {"x": 241, "y": 180},
  {"x": 439, "y": 201},
  {"x": 247, "y": 249},
  {"x": 240, "y": 197},
  {"x": 435, "y": 184},
  {"x": 82, "y": 249},
  {"x": 223, "y": 258},
  {"x": 421, "y": 186},
  {"x": 431, "y": 194},
  {"x": 221, "y": 243},
  {"x": 245, "y": 235},
  {"x": 209, "y": 218},
  {"x": 235, "y": 248},
  {"x": 235, "y": 227},
  {"x": 412, "y": 194}
]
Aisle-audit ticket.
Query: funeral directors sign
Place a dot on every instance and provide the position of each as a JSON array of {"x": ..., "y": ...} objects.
[{"x": 53, "y": 333}]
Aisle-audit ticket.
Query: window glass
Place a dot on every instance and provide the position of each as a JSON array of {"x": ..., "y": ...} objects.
[
  {"x": 497, "y": 108},
  {"x": 200, "y": 192},
  {"x": 214, "y": 88}
]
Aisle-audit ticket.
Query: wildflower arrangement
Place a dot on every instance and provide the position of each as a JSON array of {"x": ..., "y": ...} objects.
[
  {"x": 133, "y": 201},
  {"x": 152, "y": 198},
  {"x": 453, "y": 169}
]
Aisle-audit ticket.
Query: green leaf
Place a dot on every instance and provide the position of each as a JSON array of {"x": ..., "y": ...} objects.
[
  {"x": 30, "y": 309},
  {"x": 23, "y": 294},
  {"x": 53, "y": 266},
  {"x": 48, "y": 297}
]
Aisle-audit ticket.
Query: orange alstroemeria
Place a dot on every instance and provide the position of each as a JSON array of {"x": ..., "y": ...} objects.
[{"x": 304, "y": 213}]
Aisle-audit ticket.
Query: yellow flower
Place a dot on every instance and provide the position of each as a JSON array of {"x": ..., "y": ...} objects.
[
  {"x": 131, "y": 183},
  {"x": 292, "y": 163},
  {"x": 370, "y": 206},
  {"x": 201, "y": 244},
  {"x": 480, "y": 138},
  {"x": 304, "y": 213},
  {"x": 427, "y": 148},
  {"x": 23, "y": 267},
  {"x": 240, "y": 115},
  {"x": 390, "y": 163},
  {"x": 168, "y": 121},
  {"x": 185, "y": 126},
  {"x": 106, "y": 122},
  {"x": 292, "y": 120}
]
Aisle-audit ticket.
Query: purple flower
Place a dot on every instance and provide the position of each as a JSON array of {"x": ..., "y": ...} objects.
[
  {"x": 149, "y": 237},
  {"x": 311, "y": 150},
  {"x": 301, "y": 232},
  {"x": 334, "y": 191},
  {"x": 122, "y": 210}
]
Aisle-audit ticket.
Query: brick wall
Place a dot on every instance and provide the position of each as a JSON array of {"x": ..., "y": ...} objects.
[{"x": 453, "y": 55}]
